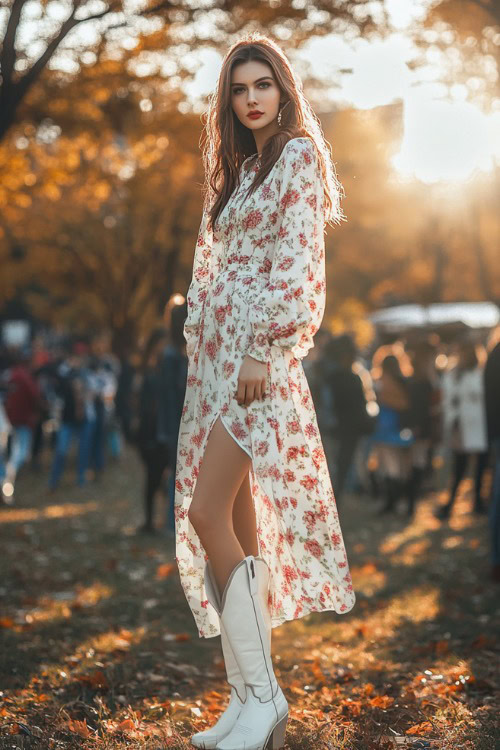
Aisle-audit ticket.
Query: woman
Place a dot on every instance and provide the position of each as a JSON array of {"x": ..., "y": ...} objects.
[
  {"x": 392, "y": 438},
  {"x": 465, "y": 427},
  {"x": 152, "y": 448},
  {"x": 257, "y": 530}
]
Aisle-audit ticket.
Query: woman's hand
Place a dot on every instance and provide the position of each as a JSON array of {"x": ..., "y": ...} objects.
[{"x": 251, "y": 381}]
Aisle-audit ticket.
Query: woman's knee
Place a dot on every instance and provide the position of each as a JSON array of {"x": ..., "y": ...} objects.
[{"x": 202, "y": 518}]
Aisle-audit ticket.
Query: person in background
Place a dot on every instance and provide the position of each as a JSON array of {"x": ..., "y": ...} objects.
[
  {"x": 96, "y": 414},
  {"x": 421, "y": 386},
  {"x": 173, "y": 375},
  {"x": 316, "y": 371},
  {"x": 492, "y": 402},
  {"x": 152, "y": 447},
  {"x": 364, "y": 478},
  {"x": 111, "y": 422},
  {"x": 465, "y": 430},
  {"x": 76, "y": 417},
  {"x": 41, "y": 361},
  {"x": 392, "y": 437},
  {"x": 22, "y": 406},
  {"x": 124, "y": 392},
  {"x": 349, "y": 405}
]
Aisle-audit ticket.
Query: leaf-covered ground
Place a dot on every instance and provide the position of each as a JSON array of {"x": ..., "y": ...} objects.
[{"x": 99, "y": 647}]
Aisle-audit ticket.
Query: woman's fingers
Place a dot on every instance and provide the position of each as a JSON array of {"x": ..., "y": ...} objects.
[
  {"x": 240, "y": 393},
  {"x": 250, "y": 391}
]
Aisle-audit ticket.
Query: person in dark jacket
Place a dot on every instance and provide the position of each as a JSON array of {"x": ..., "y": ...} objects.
[
  {"x": 492, "y": 403},
  {"x": 76, "y": 417},
  {"x": 152, "y": 446},
  {"x": 349, "y": 406},
  {"x": 421, "y": 388},
  {"x": 173, "y": 375}
]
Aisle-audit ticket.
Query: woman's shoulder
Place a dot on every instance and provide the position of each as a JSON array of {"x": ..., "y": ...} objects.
[
  {"x": 300, "y": 146},
  {"x": 299, "y": 159}
]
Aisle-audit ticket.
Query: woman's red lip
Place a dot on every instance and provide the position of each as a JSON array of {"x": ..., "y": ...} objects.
[{"x": 255, "y": 114}]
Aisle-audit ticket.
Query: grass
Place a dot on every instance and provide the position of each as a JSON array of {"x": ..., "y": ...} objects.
[{"x": 99, "y": 648}]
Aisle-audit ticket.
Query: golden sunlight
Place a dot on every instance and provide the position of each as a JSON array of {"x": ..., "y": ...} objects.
[{"x": 446, "y": 140}]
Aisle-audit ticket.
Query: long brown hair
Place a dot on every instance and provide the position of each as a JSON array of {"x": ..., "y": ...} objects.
[{"x": 226, "y": 142}]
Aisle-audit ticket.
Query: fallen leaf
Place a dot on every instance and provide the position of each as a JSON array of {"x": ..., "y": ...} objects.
[
  {"x": 164, "y": 570},
  {"x": 422, "y": 728},
  {"x": 79, "y": 727}
]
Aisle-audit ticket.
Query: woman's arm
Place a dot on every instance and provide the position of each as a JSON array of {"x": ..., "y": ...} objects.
[
  {"x": 198, "y": 287},
  {"x": 290, "y": 308}
]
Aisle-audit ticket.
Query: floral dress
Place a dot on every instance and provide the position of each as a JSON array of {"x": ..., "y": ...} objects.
[{"x": 258, "y": 288}]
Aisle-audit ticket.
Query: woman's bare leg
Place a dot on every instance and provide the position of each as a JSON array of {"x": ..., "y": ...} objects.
[
  {"x": 244, "y": 523},
  {"x": 221, "y": 474}
]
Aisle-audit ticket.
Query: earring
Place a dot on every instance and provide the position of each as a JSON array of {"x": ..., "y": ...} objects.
[{"x": 279, "y": 114}]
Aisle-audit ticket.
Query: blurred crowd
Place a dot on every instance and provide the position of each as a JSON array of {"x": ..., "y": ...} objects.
[{"x": 396, "y": 423}]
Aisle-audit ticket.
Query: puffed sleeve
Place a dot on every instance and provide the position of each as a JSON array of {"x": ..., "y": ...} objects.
[
  {"x": 198, "y": 288},
  {"x": 289, "y": 309}
]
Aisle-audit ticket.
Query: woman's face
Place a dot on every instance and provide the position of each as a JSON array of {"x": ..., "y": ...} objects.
[{"x": 253, "y": 87}]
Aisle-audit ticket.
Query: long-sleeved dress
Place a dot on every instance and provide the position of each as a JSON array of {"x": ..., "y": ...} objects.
[{"x": 258, "y": 288}]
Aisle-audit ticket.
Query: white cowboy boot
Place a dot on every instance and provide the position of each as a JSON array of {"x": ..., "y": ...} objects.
[
  {"x": 209, "y": 738},
  {"x": 262, "y": 721}
]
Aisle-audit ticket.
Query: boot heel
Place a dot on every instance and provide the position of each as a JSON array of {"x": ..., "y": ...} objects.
[{"x": 277, "y": 739}]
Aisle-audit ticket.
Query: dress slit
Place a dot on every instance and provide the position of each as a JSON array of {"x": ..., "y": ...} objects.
[{"x": 233, "y": 436}]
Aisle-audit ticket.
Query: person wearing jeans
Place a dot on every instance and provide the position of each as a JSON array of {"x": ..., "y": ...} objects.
[
  {"x": 67, "y": 432},
  {"x": 77, "y": 420},
  {"x": 22, "y": 407}
]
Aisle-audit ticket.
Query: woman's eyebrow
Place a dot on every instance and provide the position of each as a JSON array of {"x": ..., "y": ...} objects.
[{"x": 263, "y": 78}]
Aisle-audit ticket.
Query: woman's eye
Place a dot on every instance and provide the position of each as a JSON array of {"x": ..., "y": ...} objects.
[{"x": 265, "y": 84}]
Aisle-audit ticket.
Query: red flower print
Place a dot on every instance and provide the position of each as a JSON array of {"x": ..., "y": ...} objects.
[
  {"x": 309, "y": 482},
  {"x": 286, "y": 263},
  {"x": 289, "y": 573},
  {"x": 313, "y": 547},
  {"x": 211, "y": 348},
  {"x": 309, "y": 519},
  {"x": 252, "y": 220},
  {"x": 310, "y": 430},
  {"x": 289, "y": 475},
  {"x": 312, "y": 200},
  {"x": 205, "y": 408},
  {"x": 289, "y": 199},
  {"x": 238, "y": 430}
]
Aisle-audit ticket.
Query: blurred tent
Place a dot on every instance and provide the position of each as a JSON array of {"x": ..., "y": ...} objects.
[{"x": 438, "y": 317}]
